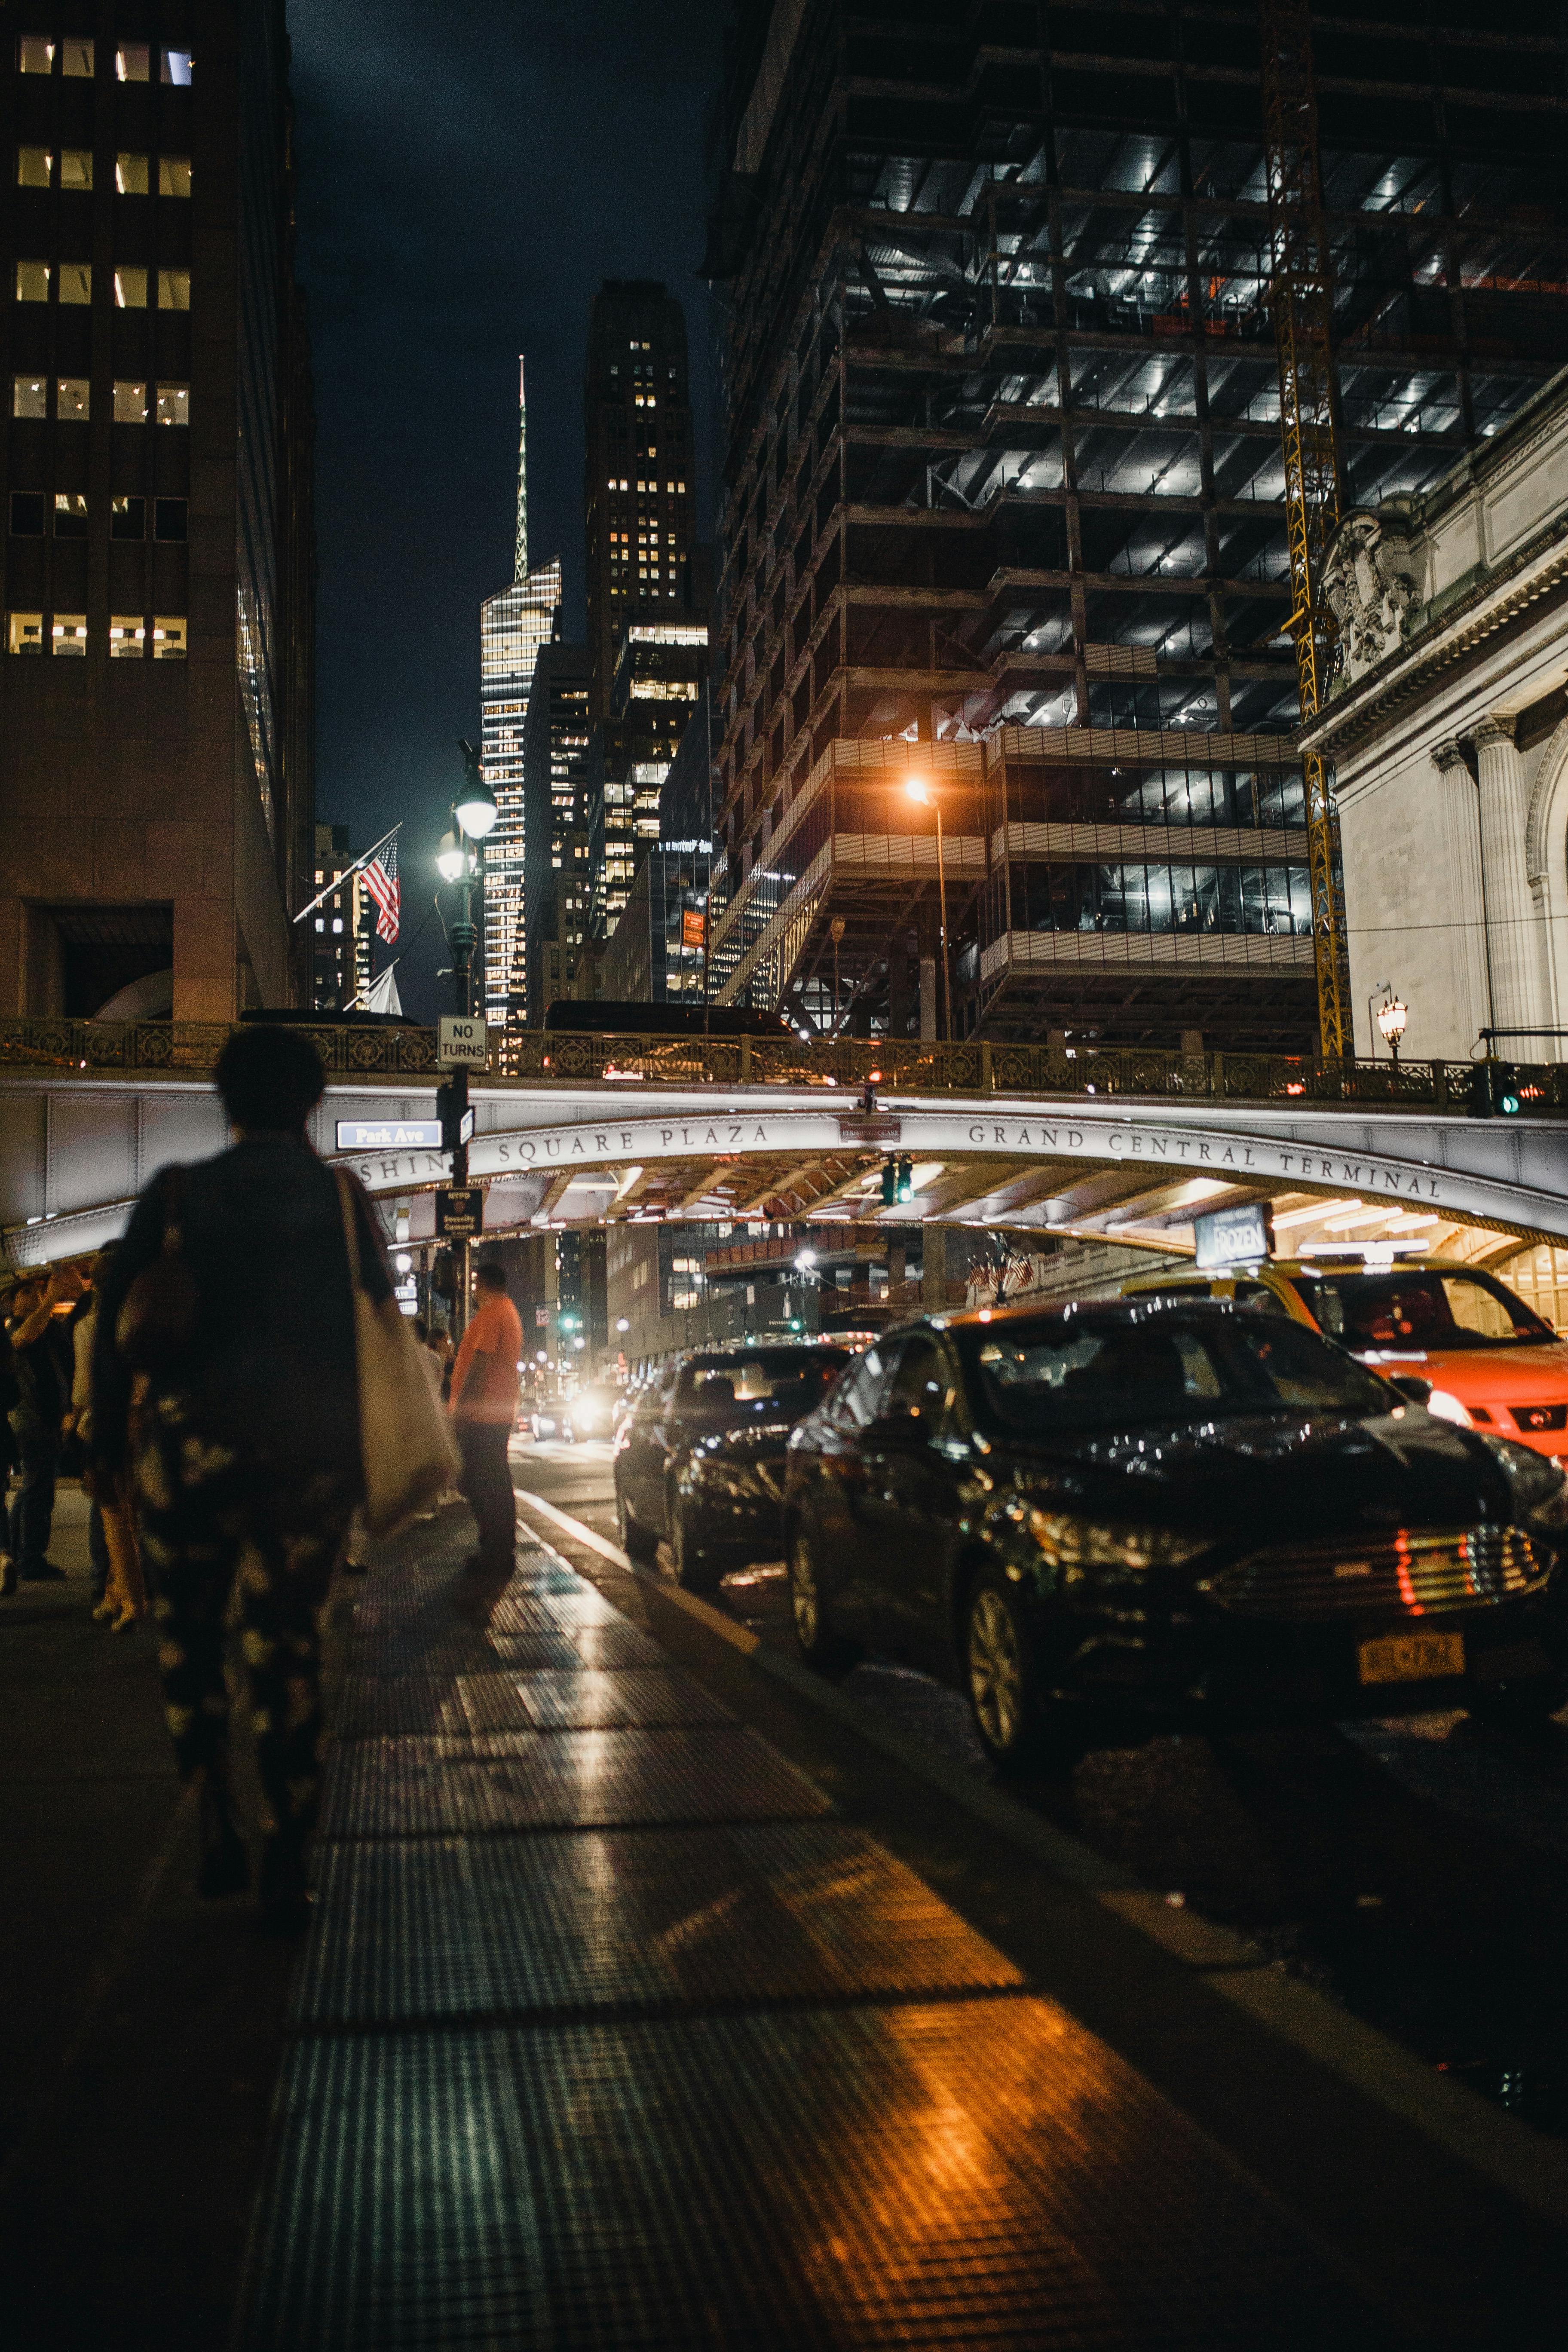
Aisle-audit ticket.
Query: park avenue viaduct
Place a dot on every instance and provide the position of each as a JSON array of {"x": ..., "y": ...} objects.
[{"x": 1121, "y": 1146}]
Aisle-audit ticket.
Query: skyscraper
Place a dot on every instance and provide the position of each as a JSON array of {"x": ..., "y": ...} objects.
[
  {"x": 157, "y": 561},
  {"x": 1004, "y": 484},
  {"x": 513, "y": 627},
  {"x": 639, "y": 487},
  {"x": 555, "y": 763}
]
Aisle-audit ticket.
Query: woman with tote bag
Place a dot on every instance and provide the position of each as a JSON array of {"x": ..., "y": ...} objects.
[{"x": 246, "y": 1318}]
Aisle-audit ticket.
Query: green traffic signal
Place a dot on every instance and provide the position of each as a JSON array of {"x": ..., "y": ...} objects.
[
  {"x": 905, "y": 1187},
  {"x": 889, "y": 1183}
]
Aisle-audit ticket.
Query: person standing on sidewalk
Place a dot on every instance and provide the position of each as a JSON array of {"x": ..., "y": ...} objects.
[
  {"x": 43, "y": 1387},
  {"x": 246, "y": 1447},
  {"x": 484, "y": 1407}
]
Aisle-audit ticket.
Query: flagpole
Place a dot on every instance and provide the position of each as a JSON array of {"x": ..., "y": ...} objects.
[{"x": 348, "y": 873}]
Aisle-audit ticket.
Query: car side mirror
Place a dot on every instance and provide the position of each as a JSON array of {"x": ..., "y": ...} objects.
[{"x": 1418, "y": 1391}]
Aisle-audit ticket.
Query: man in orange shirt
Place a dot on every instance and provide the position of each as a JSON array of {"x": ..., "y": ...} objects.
[{"x": 484, "y": 1406}]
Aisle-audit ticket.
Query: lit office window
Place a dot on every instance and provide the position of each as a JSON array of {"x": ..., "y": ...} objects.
[
  {"x": 75, "y": 168},
  {"x": 130, "y": 174},
  {"x": 69, "y": 634},
  {"x": 33, "y": 168},
  {"x": 70, "y": 514},
  {"x": 75, "y": 282},
  {"x": 32, "y": 282},
  {"x": 173, "y": 404},
  {"x": 130, "y": 288},
  {"x": 35, "y": 53},
  {"x": 25, "y": 633},
  {"x": 27, "y": 396},
  {"x": 127, "y": 518},
  {"x": 174, "y": 175},
  {"x": 132, "y": 62},
  {"x": 168, "y": 638},
  {"x": 174, "y": 289},
  {"x": 127, "y": 636},
  {"x": 130, "y": 401},
  {"x": 73, "y": 398},
  {"x": 76, "y": 63},
  {"x": 177, "y": 68}
]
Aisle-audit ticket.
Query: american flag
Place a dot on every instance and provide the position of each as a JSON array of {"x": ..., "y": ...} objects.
[{"x": 381, "y": 881}]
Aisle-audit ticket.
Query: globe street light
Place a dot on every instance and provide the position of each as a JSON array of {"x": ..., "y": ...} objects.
[
  {"x": 1391, "y": 1019},
  {"x": 451, "y": 857},
  {"x": 919, "y": 790}
]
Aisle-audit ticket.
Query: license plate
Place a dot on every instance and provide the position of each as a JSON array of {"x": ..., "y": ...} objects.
[{"x": 1412, "y": 1658}]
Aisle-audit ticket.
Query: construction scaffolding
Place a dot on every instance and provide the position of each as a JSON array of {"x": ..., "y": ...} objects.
[{"x": 1005, "y": 476}]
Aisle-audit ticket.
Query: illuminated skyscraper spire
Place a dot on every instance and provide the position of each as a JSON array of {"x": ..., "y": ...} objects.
[{"x": 521, "y": 573}]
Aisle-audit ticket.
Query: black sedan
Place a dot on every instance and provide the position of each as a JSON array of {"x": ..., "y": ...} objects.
[
  {"x": 1144, "y": 1510},
  {"x": 701, "y": 1457}
]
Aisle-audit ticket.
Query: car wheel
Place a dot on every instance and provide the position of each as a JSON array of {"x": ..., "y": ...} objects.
[
  {"x": 1016, "y": 1727},
  {"x": 693, "y": 1570},
  {"x": 820, "y": 1645},
  {"x": 636, "y": 1540}
]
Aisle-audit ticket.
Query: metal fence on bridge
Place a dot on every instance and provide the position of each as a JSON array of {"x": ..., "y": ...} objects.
[{"x": 188, "y": 1048}]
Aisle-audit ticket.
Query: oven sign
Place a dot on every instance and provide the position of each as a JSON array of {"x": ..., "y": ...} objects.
[{"x": 389, "y": 1135}]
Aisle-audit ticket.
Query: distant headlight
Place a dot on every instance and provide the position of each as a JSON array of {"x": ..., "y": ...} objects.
[
  {"x": 1068, "y": 1541},
  {"x": 1445, "y": 1407},
  {"x": 1538, "y": 1487}
]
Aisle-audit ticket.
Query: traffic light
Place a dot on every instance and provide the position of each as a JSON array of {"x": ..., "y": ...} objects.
[
  {"x": 1494, "y": 1090},
  {"x": 906, "y": 1182},
  {"x": 452, "y": 1110},
  {"x": 889, "y": 1183}
]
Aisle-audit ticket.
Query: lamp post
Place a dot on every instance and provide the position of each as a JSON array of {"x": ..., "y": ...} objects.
[
  {"x": 461, "y": 859},
  {"x": 1392, "y": 1015},
  {"x": 919, "y": 790}
]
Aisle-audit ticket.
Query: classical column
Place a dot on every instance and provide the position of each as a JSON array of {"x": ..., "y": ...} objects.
[
  {"x": 1457, "y": 897},
  {"x": 1512, "y": 943}
]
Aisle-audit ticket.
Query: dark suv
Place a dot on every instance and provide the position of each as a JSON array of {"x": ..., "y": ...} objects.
[{"x": 701, "y": 1457}]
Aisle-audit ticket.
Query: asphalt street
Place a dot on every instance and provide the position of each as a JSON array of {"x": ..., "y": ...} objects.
[{"x": 1415, "y": 1871}]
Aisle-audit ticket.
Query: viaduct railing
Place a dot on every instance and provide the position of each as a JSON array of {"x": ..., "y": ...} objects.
[{"x": 533, "y": 1059}]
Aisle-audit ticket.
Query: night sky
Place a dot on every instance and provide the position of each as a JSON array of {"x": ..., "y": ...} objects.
[{"x": 466, "y": 176}]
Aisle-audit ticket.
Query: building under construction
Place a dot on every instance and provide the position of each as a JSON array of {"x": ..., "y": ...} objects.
[{"x": 1004, "y": 492}]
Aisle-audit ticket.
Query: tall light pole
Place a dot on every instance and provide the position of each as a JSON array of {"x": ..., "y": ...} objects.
[
  {"x": 461, "y": 859},
  {"x": 919, "y": 790}
]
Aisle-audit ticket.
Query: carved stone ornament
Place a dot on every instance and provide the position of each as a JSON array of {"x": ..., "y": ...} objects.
[{"x": 1369, "y": 586}]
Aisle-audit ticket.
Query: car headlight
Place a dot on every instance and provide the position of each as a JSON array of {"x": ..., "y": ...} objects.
[
  {"x": 1444, "y": 1406},
  {"x": 1539, "y": 1489},
  {"x": 1068, "y": 1541}
]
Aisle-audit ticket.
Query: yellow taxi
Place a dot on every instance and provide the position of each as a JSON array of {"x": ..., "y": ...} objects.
[{"x": 1492, "y": 1362}]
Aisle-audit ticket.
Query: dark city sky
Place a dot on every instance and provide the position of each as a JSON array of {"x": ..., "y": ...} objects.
[{"x": 467, "y": 175}]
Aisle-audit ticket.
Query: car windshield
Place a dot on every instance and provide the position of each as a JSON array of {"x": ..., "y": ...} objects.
[
  {"x": 1414, "y": 1309},
  {"x": 779, "y": 1386},
  {"x": 1081, "y": 1371}
]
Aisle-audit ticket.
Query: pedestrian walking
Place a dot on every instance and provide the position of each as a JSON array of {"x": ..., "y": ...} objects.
[
  {"x": 484, "y": 1407},
  {"x": 40, "y": 1367},
  {"x": 233, "y": 1288},
  {"x": 120, "y": 1594}
]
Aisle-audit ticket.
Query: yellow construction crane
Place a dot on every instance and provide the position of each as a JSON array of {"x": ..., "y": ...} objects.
[{"x": 1300, "y": 299}]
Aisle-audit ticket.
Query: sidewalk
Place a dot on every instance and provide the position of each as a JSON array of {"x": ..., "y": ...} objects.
[{"x": 609, "y": 2032}]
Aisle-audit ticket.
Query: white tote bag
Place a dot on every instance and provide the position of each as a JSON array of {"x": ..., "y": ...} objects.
[{"x": 405, "y": 1439}]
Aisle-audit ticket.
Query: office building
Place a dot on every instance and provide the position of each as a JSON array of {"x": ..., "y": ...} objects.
[
  {"x": 333, "y": 978},
  {"x": 661, "y": 668},
  {"x": 157, "y": 562},
  {"x": 1002, "y": 506},
  {"x": 639, "y": 486},
  {"x": 514, "y": 628},
  {"x": 555, "y": 795},
  {"x": 655, "y": 955}
]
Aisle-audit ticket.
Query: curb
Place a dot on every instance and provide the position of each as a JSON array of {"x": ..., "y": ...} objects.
[{"x": 1513, "y": 2156}]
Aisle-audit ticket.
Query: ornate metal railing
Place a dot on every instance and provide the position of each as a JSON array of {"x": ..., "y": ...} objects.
[{"x": 185, "y": 1048}]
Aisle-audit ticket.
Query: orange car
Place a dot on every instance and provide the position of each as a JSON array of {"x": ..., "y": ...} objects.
[{"x": 1492, "y": 1363}]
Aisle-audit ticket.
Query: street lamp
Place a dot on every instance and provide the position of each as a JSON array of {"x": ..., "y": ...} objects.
[
  {"x": 451, "y": 857},
  {"x": 919, "y": 790},
  {"x": 1391, "y": 1016},
  {"x": 622, "y": 1324}
]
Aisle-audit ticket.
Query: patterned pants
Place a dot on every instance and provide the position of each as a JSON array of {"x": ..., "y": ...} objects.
[{"x": 217, "y": 1526}]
